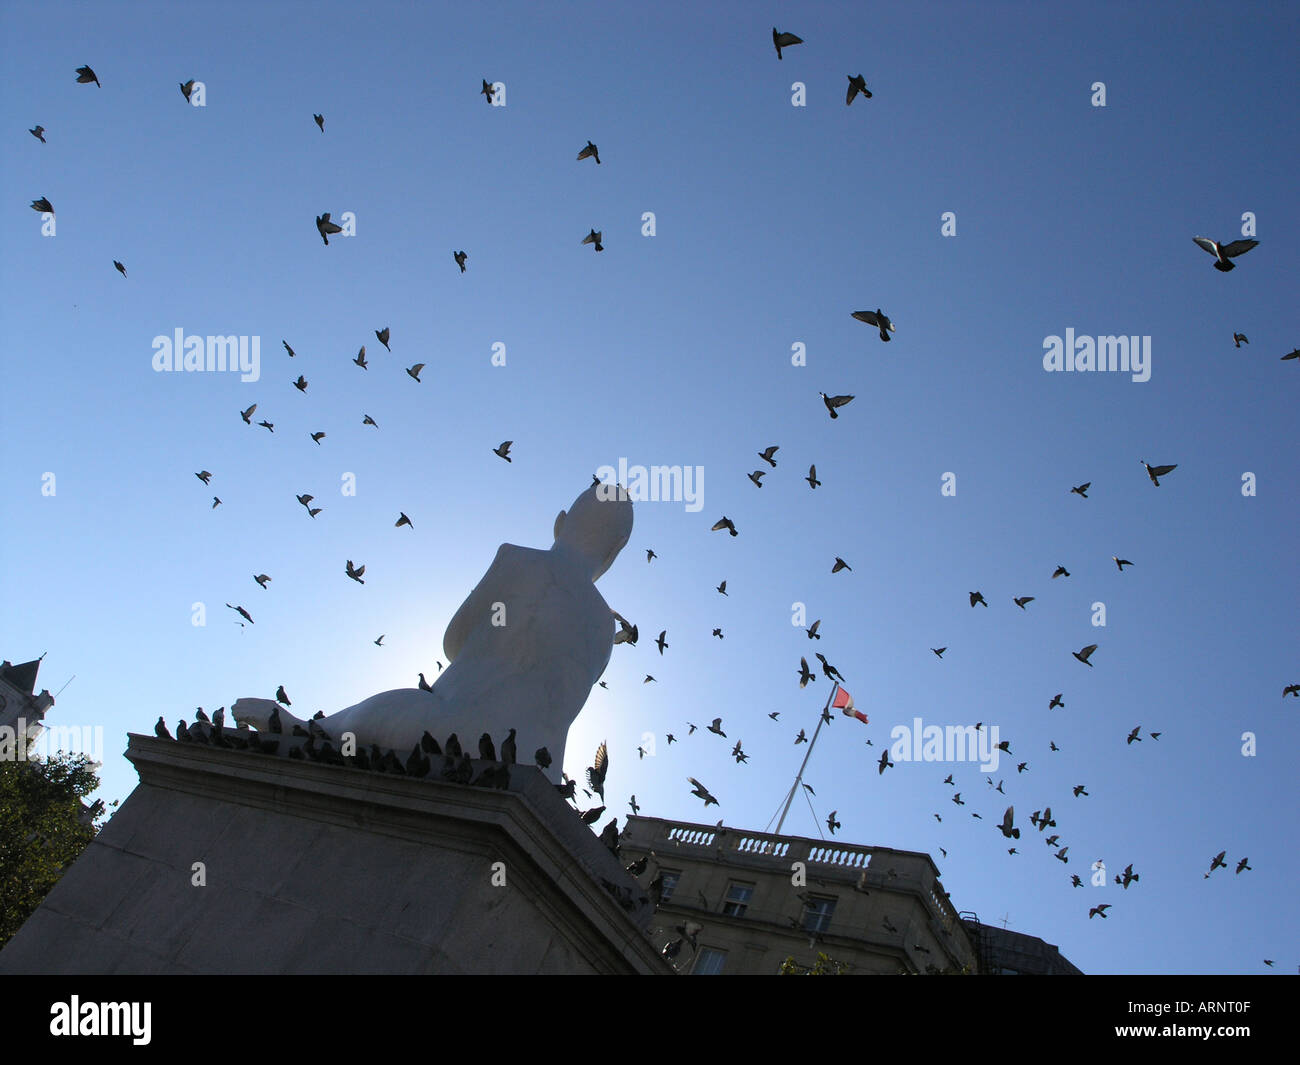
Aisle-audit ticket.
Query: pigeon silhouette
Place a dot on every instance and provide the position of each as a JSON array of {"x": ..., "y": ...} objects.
[
  {"x": 1224, "y": 253},
  {"x": 783, "y": 40},
  {"x": 857, "y": 84},
  {"x": 879, "y": 319},
  {"x": 325, "y": 227}
]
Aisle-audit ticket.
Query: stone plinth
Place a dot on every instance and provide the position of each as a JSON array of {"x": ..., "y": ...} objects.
[{"x": 313, "y": 868}]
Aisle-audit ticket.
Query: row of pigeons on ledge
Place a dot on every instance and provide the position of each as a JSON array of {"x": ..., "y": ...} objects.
[
  {"x": 318, "y": 746},
  {"x": 457, "y": 766}
]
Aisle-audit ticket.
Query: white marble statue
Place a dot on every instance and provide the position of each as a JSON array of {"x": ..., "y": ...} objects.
[{"x": 525, "y": 648}]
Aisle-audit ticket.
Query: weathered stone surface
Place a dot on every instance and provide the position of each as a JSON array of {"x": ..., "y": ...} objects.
[{"x": 313, "y": 868}]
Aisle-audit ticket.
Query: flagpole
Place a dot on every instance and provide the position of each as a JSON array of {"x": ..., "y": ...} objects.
[{"x": 799, "y": 779}]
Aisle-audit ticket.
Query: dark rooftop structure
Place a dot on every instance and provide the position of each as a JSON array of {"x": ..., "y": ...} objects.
[{"x": 1007, "y": 953}]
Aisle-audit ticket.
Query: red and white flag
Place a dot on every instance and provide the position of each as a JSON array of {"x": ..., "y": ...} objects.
[{"x": 844, "y": 701}]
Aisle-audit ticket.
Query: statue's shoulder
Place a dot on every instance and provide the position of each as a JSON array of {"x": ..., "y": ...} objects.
[{"x": 508, "y": 553}]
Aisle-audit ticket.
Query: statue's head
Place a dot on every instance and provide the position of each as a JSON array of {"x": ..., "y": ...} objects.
[{"x": 597, "y": 526}]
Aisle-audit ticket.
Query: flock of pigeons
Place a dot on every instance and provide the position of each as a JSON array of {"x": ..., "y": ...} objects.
[{"x": 458, "y": 766}]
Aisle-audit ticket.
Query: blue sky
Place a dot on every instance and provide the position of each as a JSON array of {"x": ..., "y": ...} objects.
[{"x": 772, "y": 223}]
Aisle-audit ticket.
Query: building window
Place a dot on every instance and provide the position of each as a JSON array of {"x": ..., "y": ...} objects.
[
  {"x": 817, "y": 913},
  {"x": 669, "y": 884},
  {"x": 737, "y": 900},
  {"x": 709, "y": 962}
]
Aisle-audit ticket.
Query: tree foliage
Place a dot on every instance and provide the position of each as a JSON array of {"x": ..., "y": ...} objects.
[
  {"x": 824, "y": 966},
  {"x": 43, "y": 828}
]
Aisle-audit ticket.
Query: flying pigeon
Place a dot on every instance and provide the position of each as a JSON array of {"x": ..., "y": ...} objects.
[
  {"x": 702, "y": 792},
  {"x": 43, "y": 206},
  {"x": 805, "y": 675},
  {"x": 1156, "y": 472},
  {"x": 241, "y": 612},
  {"x": 834, "y": 401},
  {"x": 460, "y": 258},
  {"x": 503, "y": 450},
  {"x": 324, "y": 227},
  {"x": 1223, "y": 253},
  {"x": 320, "y": 121},
  {"x": 596, "y": 772},
  {"x": 812, "y": 477},
  {"x": 204, "y": 476},
  {"x": 783, "y": 40},
  {"x": 857, "y": 84},
  {"x": 1056, "y": 701},
  {"x": 977, "y": 597},
  {"x": 360, "y": 360},
  {"x": 879, "y": 319},
  {"x": 716, "y": 728},
  {"x": 938, "y": 651},
  {"x": 414, "y": 371},
  {"x": 1060, "y": 571},
  {"x": 39, "y": 133},
  {"x": 595, "y": 237},
  {"x": 830, "y": 672},
  {"x": 1083, "y": 655},
  {"x": 301, "y": 383},
  {"x": 402, "y": 520},
  {"x": 120, "y": 268},
  {"x": 355, "y": 574},
  {"x": 187, "y": 87},
  {"x": 85, "y": 76},
  {"x": 840, "y": 564},
  {"x": 383, "y": 335},
  {"x": 486, "y": 90},
  {"x": 261, "y": 579},
  {"x": 591, "y": 151},
  {"x": 1007, "y": 827},
  {"x": 831, "y": 823},
  {"x": 725, "y": 523},
  {"x": 1239, "y": 338},
  {"x": 1120, "y": 563},
  {"x": 1082, "y": 490}
]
